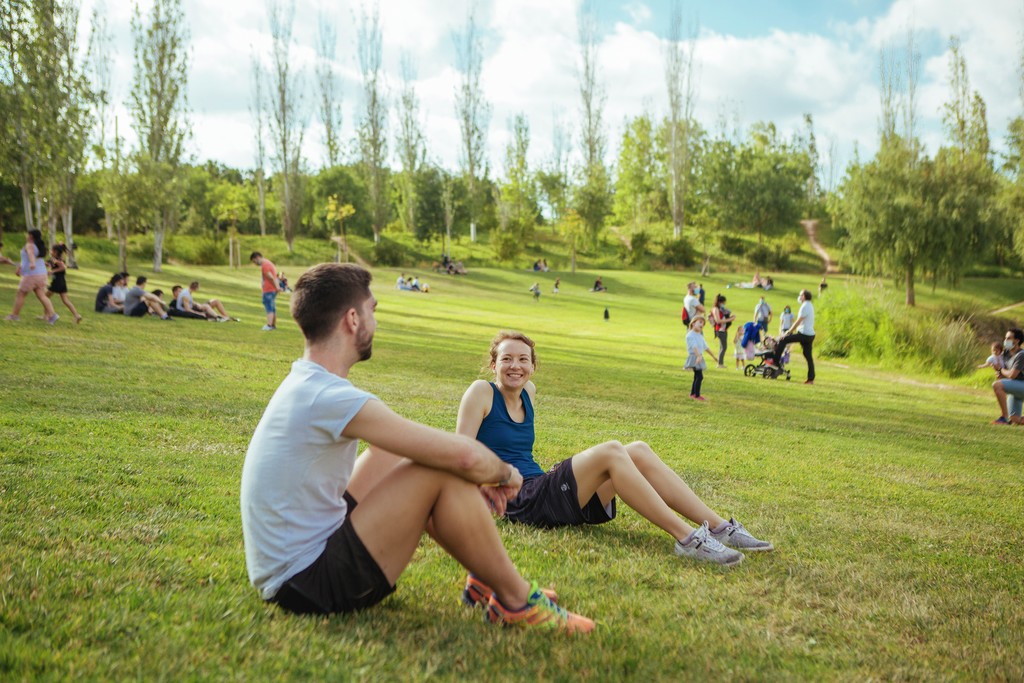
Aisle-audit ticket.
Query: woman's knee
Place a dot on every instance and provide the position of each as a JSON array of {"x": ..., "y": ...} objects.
[{"x": 610, "y": 451}]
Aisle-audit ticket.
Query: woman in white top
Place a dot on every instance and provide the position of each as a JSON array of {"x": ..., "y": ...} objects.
[
  {"x": 33, "y": 277},
  {"x": 802, "y": 330}
]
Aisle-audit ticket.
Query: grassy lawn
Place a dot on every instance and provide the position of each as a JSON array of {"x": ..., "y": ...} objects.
[{"x": 894, "y": 507}]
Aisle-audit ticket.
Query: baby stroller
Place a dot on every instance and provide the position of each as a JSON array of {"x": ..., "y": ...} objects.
[{"x": 763, "y": 367}]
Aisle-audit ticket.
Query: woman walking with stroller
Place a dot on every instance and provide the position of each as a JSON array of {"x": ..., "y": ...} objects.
[{"x": 802, "y": 330}]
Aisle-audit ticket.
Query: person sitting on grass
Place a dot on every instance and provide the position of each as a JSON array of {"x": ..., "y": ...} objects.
[
  {"x": 105, "y": 296},
  {"x": 582, "y": 489},
  {"x": 175, "y": 312},
  {"x": 138, "y": 302},
  {"x": 1009, "y": 384},
  {"x": 323, "y": 535},
  {"x": 212, "y": 309}
]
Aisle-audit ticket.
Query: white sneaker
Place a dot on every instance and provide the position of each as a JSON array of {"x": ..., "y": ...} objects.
[
  {"x": 268, "y": 328},
  {"x": 735, "y": 535},
  {"x": 701, "y": 545}
]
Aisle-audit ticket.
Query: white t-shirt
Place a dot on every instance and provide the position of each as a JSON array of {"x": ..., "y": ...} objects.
[
  {"x": 695, "y": 342},
  {"x": 762, "y": 311},
  {"x": 807, "y": 313},
  {"x": 183, "y": 296},
  {"x": 119, "y": 294},
  {"x": 691, "y": 302},
  {"x": 296, "y": 469}
]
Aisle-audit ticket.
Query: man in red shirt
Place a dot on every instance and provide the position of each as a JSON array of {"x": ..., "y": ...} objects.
[{"x": 270, "y": 289}]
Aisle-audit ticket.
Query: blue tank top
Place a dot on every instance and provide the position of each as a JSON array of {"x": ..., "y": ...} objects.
[{"x": 512, "y": 441}]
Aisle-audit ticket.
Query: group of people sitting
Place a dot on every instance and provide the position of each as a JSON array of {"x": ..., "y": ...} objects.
[
  {"x": 136, "y": 302},
  {"x": 757, "y": 282},
  {"x": 446, "y": 265},
  {"x": 411, "y": 284},
  {"x": 541, "y": 266}
]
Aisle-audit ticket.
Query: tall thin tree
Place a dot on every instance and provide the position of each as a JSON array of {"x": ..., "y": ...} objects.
[
  {"x": 411, "y": 143},
  {"x": 330, "y": 91},
  {"x": 287, "y": 122},
  {"x": 159, "y": 109},
  {"x": 474, "y": 114},
  {"x": 372, "y": 131},
  {"x": 593, "y": 194},
  {"x": 682, "y": 96},
  {"x": 98, "y": 60},
  {"x": 258, "y": 111}
]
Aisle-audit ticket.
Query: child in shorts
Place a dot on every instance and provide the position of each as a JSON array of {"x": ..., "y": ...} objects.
[{"x": 995, "y": 361}]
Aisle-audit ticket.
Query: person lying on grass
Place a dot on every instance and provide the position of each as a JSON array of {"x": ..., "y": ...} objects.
[
  {"x": 322, "y": 539},
  {"x": 583, "y": 488}
]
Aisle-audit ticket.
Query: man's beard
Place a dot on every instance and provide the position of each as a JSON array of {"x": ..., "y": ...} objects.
[{"x": 365, "y": 347}]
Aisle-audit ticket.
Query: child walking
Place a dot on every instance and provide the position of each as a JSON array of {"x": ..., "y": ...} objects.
[
  {"x": 58, "y": 283},
  {"x": 696, "y": 347},
  {"x": 738, "y": 351}
]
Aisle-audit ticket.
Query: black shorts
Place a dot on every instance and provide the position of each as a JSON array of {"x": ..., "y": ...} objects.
[
  {"x": 344, "y": 578},
  {"x": 140, "y": 309},
  {"x": 551, "y": 500}
]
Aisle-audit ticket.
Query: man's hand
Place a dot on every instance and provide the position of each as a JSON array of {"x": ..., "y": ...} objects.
[{"x": 495, "y": 498}]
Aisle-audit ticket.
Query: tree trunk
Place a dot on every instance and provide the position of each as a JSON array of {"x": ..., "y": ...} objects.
[
  {"x": 910, "y": 287},
  {"x": 122, "y": 244},
  {"x": 110, "y": 226},
  {"x": 26, "y": 200},
  {"x": 706, "y": 267},
  {"x": 51, "y": 225},
  {"x": 159, "y": 229},
  {"x": 262, "y": 192},
  {"x": 69, "y": 238}
]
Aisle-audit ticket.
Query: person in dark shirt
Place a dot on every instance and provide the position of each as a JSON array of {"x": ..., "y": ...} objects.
[{"x": 104, "y": 297}]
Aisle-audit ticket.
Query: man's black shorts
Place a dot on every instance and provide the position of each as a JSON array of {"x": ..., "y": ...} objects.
[
  {"x": 138, "y": 310},
  {"x": 344, "y": 578},
  {"x": 551, "y": 500}
]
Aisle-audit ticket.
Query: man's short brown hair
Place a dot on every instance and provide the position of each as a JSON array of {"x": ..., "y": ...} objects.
[{"x": 324, "y": 294}]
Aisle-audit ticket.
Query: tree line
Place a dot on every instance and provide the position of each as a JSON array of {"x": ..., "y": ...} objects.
[{"x": 696, "y": 188}]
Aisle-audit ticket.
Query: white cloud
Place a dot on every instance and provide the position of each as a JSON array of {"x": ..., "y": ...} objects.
[{"x": 531, "y": 58}]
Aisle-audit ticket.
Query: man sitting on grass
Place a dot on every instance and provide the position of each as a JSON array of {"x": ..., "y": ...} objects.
[
  {"x": 138, "y": 302},
  {"x": 320, "y": 539},
  {"x": 1009, "y": 384},
  {"x": 212, "y": 309}
]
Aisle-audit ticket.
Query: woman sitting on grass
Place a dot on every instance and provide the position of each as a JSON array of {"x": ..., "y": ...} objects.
[{"x": 582, "y": 489}]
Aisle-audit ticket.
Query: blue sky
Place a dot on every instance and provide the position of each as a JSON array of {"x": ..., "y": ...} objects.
[{"x": 756, "y": 61}]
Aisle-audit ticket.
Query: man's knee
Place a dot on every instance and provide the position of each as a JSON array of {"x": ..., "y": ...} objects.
[{"x": 998, "y": 387}]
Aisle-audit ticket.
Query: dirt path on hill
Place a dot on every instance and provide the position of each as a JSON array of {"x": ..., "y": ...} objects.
[
  {"x": 1004, "y": 309},
  {"x": 811, "y": 228}
]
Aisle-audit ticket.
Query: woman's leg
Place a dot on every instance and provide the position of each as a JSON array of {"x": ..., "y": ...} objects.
[
  {"x": 670, "y": 486},
  {"x": 19, "y": 301},
  {"x": 721, "y": 334},
  {"x": 698, "y": 378},
  {"x": 608, "y": 470},
  {"x": 47, "y": 306}
]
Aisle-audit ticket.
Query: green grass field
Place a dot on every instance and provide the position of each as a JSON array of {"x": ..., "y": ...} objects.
[{"x": 894, "y": 506}]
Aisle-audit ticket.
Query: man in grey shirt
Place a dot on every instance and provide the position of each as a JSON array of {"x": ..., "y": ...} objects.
[{"x": 138, "y": 302}]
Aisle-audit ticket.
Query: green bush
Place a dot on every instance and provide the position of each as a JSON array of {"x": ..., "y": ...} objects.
[
  {"x": 678, "y": 253},
  {"x": 734, "y": 246},
  {"x": 878, "y": 328},
  {"x": 638, "y": 247},
  {"x": 198, "y": 251},
  {"x": 388, "y": 253},
  {"x": 772, "y": 255},
  {"x": 506, "y": 245}
]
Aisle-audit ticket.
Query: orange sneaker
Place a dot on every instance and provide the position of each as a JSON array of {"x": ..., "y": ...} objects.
[
  {"x": 539, "y": 611},
  {"x": 478, "y": 594}
]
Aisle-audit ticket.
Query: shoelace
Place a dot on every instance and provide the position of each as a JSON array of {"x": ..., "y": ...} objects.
[{"x": 703, "y": 537}]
